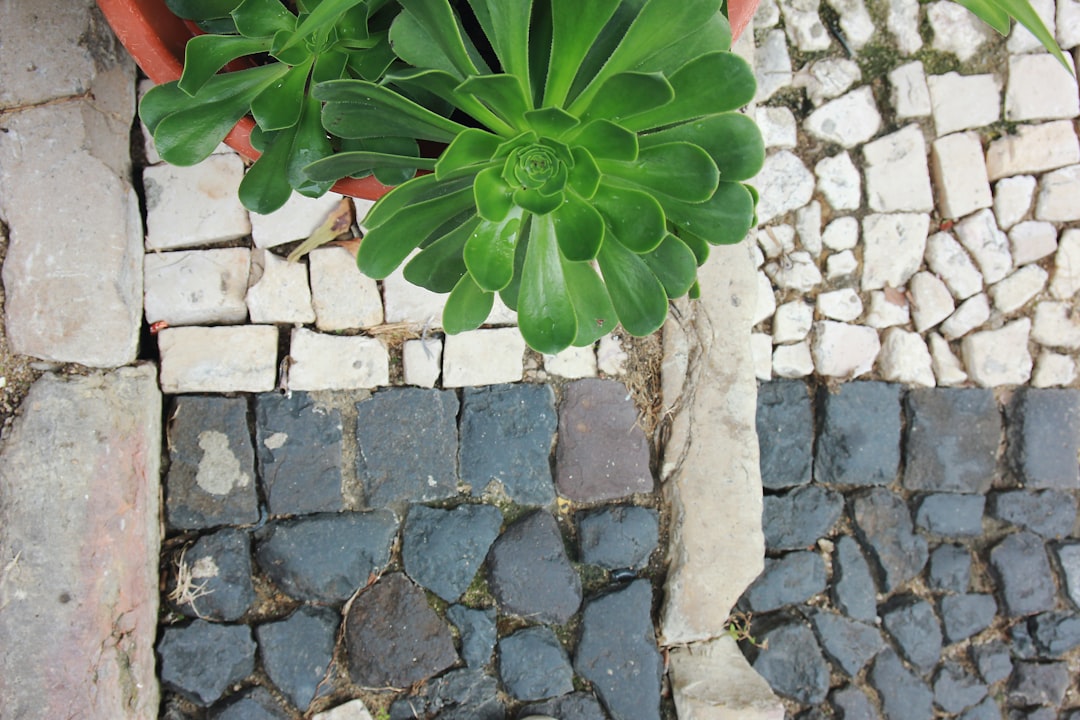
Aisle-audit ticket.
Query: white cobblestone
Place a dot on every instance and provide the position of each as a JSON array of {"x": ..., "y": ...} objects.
[
  {"x": 931, "y": 301},
  {"x": 1059, "y": 195},
  {"x": 1068, "y": 23},
  {"x": 297, "y": 219},
  {"x": 971, "y": 314},
  {"x": 1032, "y": 240},
  {"x": 343, "y": 297},
  {"x": 1040, "y": 89},
  {"x": 988, "y": 245},
  {"x": 956, "y": 29},
  {"x": 1012, "y": 199},
  {"x": 792, "y": 322},
  {"x": 240, "y": 358},
  {"x": 761, "y": 351},
  {"x": 905, "y": 358},
  {"x": 828, "y": 78},
  {"x": 776, "y": 240},
  {"x": 572, "y": 363},
  {"x": 960, "y": 174},
  {"x": 962, "y": 102},
  {"x": 352, "y": 710},
  {"x": 946, "y": 257},
  {"x": 1022, "y": 41},
  {"x": 611, "y": 358},
  {"x": 855, "y": 21},
  {"x": 1056, "y": 325},
  {"x": 336, "y": 362},
  {"x": 483, "y": 357},
  {"x": 772, "y": 65},
  {"x": 278, "y": 290},
  {"x": 808, "y": 227},
  {"x": 999, "y": 357},
  {"x": 885, "y": 312},
  {"x": 893, "y": 247},
  {"x": 903, "y": 23},
  {"x": 784, "y": 184},
  {"x": 841, "y": 265},
  {"x": 793, "y": 361},
  {"x": 767, "y": 15},
  {"x": 844, "y": 305},
  {"x": 422, "y": 361},
  {"x": 796, "y": 271},
  {"x": 765, "y": 301},
  {"x": 910, "y": 93},
  {"x": 947, "y": 368},
  {"x": 1053, "y": 370},
  {"x": 1033, "y": 149},
  {"x": 778, "y": 128},
  {"x": 197, "y": 205},
  {"x": 848, "y": 120},
  {"x": 839, "y": 181},
  {"x": 1066, "y": 280},
  {"x": 843, "y": 351},
  {"x": 803, "y": 24},
  {"x": 196, "y": 287},
  {"x": 1017, "y": 290},
  {"x": 897, "y": 179},
  {"x": 841, "y": 234}
]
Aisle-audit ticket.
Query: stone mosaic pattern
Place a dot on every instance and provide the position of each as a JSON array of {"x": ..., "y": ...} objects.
[
  {"x": 452, "y": 578},
  {"x": 944, "y": 585}
]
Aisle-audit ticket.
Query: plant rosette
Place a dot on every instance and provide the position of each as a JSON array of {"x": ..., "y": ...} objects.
[{"x": 583, "y": 179}]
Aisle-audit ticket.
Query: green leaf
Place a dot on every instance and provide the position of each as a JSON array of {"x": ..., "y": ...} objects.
[
  {"x": 711, "y": 84},
  {"x": 679, "y": 170},
  {"x": 374, "y": 62},
  {"x": 444, "y": 85},
  {"x": 494, "y": 198},
  {"x": 330, "y": 65},
  {"x": 551, "y": 122},
  {"x": 200, "y": 10},
  {"x": 204, "y": 55},
  {"x": 440, "y": 265},
  {"x": 605, "y": 139},
  {"x": 309, "y": 145},
  {"x": 732, "y": 140},
  {"x": 628, "y": 94},
  {"x": 592, "y": 305},
  {"x": 420, "y": 189},
  {"x": 387, "y": 245},
  {"x": 699, "y": 247},
  {"x": 536, "y": 201},
  {"x": 323, "y": 16},
  {"x": 262, "y": 18},
  {"x": 358, "y": 163},
  {"x": 996, "y": 13},
  {"x": 506, "y": 25},
  {"x": 467, "y": 307},
  {"x": 437, "y": 21},
  {"x": 510, "y": 293},
  {"x": 578, "y": 228},
  {"x": 503, "y": 94},
  {"x": 584, "y": 177},
  {"x": 278, "y": 106},
  {"x": 360, "y": 109},
  {"x": 576, "y": 25},
  {"x": 471, "y": 148},
  {"x": 546, "y": 314},
  {"x": 674, "y": 265},
  {"x": 723, "y": 219},
  {"x": 265, "y": 186},
  {"x": 633, "y": 216},
  {"x": 489, "y": 251},
  {"x": 639, "y": 298},
  {"x": 712, "y": 36}
]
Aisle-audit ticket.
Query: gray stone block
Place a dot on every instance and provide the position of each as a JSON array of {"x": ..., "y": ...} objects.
[
  {"x": 530, "y": 574},
  {"x": 916, "y": 630},
  {"x": 853, "y": 588},
  {"x": 252, "y": 704},
  {"x": 202, "y": 659},
  {"x": 533, "y": 664},
  {"x": 992, "y": 660},
  {"x": 859, "y": 439},
  {"x": 949, "y": 568},
  {"x": 952, "y": 440},
  {"x": 1055, "y": 633},
  {"x": 1044, "y": 437},
  {"x": 851, "y": 703},
  {"x": 904, "y": 695},
  {"x": 577, "y": 705},
  {"x": 883, "y": 523},
  {"x": 443, "y": 549},
  {"x": 986, "y": 710},
  {"x": 793, "y": 664},
  {"x": 1049, "y": 513},
  {"x": 1069, "y": 562},
  {"x": 965, "y": 615},
  {"x": 849, "y": 643},
  {"x": 478, "y": 632},
  {"x": 624, "y": 536},
  {"x": 219, "y": 567},
  {"x": 801, "y": 517},
  {"x": 785, "y": 428},
  {"x": 955, "y": 689},
  {"x": 462, "y": 694},
  {"x": 951, "y": 515},
  {"x": 1025, "y": 580},
  {"x": 297, "y": 651},
  {"x": 1035, "y": 683},
  {"x": 791, "y": 579}
]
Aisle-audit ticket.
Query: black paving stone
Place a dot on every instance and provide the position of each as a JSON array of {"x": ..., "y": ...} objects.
[
  {"x": 967, "y": 614},
  {"x": 575, "y": 706},
  {"x": 463, "y": 694},
  {"x": 530, "y": 574},
  {"x": 952, "y": 440},
  {"x": 793, "y": 664},
  {"x": 951, "y": 515},
  {"x": 949, "y": 568},
  {"x": 393, "y": 638},
  {"x": 859, "y": 439},
  {"x": 211, "y": 478},
  {"x": 884, "y": 523},
  {"x": 1026, "y": 581},
  {"x": 1044, "y": 437},
  {"x": 986, "y": 710},
  {"x": 785, "y": 429},
  {"x": 1068, "y": 558},
  {"x": 299, "y": 448},
  {"x": 992, "y": 660},
  {"x": 623, "y": 536},
  {"x": 507, "y": 432},
  {"x": 1049, "y": 513},
  {"x": 1023, "y": 645},
  {"x": 904, "y": 695},
  {"x": 253, "y": 704},
  {"x": 617, "y": 652},
  {"x": 1035, "y": 683},
  {"x": 1039, "y": 713},
  {"x": 915, "y": 628},
  {"x": 443, "y": 549},
  {"x": 297, "y": 651},
  {"x": 326, "y": 558},
  {"x": 955, "y": 689},
  {"x": 533, "y": 664},
  {"x": 792, "y": 579},
  {"x": 478, "y": 633},
  {"x": 220, "y": 568},
  {"x": 853, "y": 589},
  {"x": 1055, "y": 633},
  {"x": 851, "y": 703},
  {"x": 799, "y": 518},
  {"x": 851, "y": 644},
  {"x": 408, "y": 440},
  {"x": 202, "y": 659}
]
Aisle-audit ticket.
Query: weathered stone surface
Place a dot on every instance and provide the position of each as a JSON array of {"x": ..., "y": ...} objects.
[
  {"x": 1040, "y": 89},
  {"x": 572, "y": 363},
  {"x": 477, "y": 629},
  {"x": 617, "y": 652},
  {"x": 886, "y": 310},
  {"x": 335, "y": 362},
  {"x": 278, "y": 290},
  {"x": 786, "y": 185},
  {"x": 910, "y": 94},
  {"x": 1066, "y": 282},
  {"x": 791, "y": 579},
  {"x": 966, "y": 615},
  {"x": 1069, "y": 558},
  {"x": 483, "y": 357},
  {"x": 422, "y": 361},
  {"x": 1026, "y": 581},
  {"x": 951, "y": 515},
  {"x": 897, "y": 178},
  {"x": 530, "y": 574},
  {"x": 297, "y": 651},
  {"x": 777, "y": 125},
  {"x": 298, "y": 218},
  {"x": 803, "y": 25},
  {"x": 980, "y": 236},
  {"x": 915, "y": 628},
  {"x": 852, "y": 586},
  {"x": 1053, "y": 370},
  {"x": 839, "y": 181},
  {"x": 986, "y": 710},
  {"x": 851, "y": 703},
  {"x": 999, "y": 357},
  {"x": 904, "y": 696},
  {"x": 785, "y": 429},
  {"x": 299, "y": 448},
  {"x": 219, "y": 567},
  {"x": 905, "y": 358},
  {"x": 197, "y": 287},
  {"x": 793, "y": 664},
  {"x": 843, "y": 305},
  {"x": 951, "y": 440},
  {"x": 1055, "y": 633},
  {"x": 1044, "y": 437},
  {"x": 407, "y": 439},
  {"x": 577, "y": 705},
  {"x": 211, "y": 477},
  {"x": 961, "y": 102},
  {"x": 463, "y": 694},
  {"x": 843, "y": 350},
  {"x": 947, "y": 368},
  {"x": 253, "y": 704},
  {"x": 218, "y": 359},
  {"x": 506, "y": 436},
  {"x": 1017, "y": 289},
  {"x": 393, "y": 638},
  {"x": 956, "y": 31},
  {"x": 947, "y": 258},
  {"x": 443, "y": 549},
  {"x": 1035, "y": 683},
  {"x": 792, "y": 322},
  {"x": 326, "y": 558},
  {"x": 623, "y": 536},
  {"x": 1012, "y": 201},
  {"x": 848, "y": 120},
  {"x": 602, "y": 453},
  {"x": 1049, "y": 513},
  {"x": 955, "y": 689},
  {"x": 859, "y": 439},
  {"x": 960, "y": 174},
  {"x": 931, "y": 301},
  {"x": 79, "y": 468},
  {"x": 1056, "y": 191},
  {"x": 195, "y": 205},
  {"x": 975, "y": 311},
  {"x": 894, "y": 245},
  {"x": 884, "y": 524},
  {"x": 1055, "y": 326},
  {"x": 713, "y": 680},
  {"x": 797, "y": 519},
  {"x": 533, "y": 664},
  {"x": 1033, "y": 149},
  {"x": 849, "y": 643},
  {"x": 342, "y": 296},
  {"x": 793, "y": 361},
  {"x": 949, "y": 568},
  {"x": 772, "y": 65},
  {"x": 992, "y": 660},
  {"x": 202, "y": 659}
]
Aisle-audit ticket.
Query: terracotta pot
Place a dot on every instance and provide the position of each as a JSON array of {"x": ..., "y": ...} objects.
[{"x": 156, "y": 39}]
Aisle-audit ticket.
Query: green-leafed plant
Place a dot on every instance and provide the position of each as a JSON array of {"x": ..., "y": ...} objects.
[
  {"x": 594, "y": 156},
  {"x": 996, "y": 14},
  {"x": 327, "y": 40}
]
